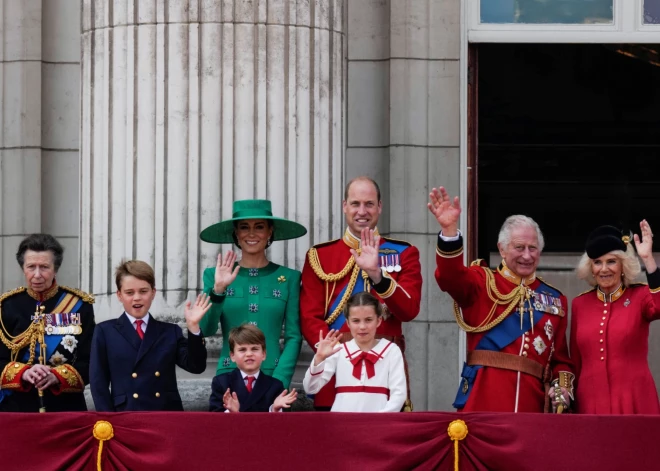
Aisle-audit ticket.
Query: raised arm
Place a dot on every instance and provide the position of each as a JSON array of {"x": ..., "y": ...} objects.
[
  {"x": 324, "y": 364},
  {"x": 216, "y": 281}
]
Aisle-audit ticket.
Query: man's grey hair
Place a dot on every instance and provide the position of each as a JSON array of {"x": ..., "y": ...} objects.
[{"x": 517, "y": 221}]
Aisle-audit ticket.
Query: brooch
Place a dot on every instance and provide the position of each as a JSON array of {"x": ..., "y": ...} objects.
[
  {"x": 281, "y": 279},
  {"x": 69, "y": 342},
  {"x": 549, "y": 330},
  {"x": 626, "y": 303},
  {"x": 539, "y": 345},
  {"x": 57, "y": 359}
]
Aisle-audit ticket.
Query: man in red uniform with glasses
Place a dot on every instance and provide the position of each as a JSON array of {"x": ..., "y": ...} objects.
[{"x": 362, "y": 260}]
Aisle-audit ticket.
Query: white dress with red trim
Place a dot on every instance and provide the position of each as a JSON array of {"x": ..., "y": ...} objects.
[{"x": 373, "y": 381}]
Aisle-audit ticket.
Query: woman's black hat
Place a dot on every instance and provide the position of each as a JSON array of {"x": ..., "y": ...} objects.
[{"x": 604, "y": 240}]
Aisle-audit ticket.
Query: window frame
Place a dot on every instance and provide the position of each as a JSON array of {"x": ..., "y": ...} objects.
[{"x": 627, "y": 27}]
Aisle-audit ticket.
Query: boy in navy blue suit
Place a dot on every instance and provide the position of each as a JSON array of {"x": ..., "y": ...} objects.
[
  {"x": 134, "y": 357},
  {"x": 247, "y": 389}
]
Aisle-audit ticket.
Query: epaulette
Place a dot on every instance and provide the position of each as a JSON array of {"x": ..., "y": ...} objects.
[
  {"x": 6, "y": 295},
  {"x": 546, "y": 283},
  {"x": 323, "y": 244},
  {"x": 88, "y": 298},
  {"x": 641, "y": 283},
  {"x": 480, "y": 262},
  {"x": 403, "y": 242},
  {"x": 585, "y": 292}
]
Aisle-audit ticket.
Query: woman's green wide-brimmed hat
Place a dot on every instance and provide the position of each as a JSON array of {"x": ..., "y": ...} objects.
[{"x": 283, "y": 229}]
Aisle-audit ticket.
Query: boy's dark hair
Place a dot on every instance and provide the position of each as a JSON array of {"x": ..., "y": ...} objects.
[
  {"x": 246, "y": 334},
  {"x": 137, "y": 268},
  {"x": 363, "y": 298},
  {"x": 41, "y": 243}
]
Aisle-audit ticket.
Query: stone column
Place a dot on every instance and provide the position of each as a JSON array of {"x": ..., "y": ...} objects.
[
  {"x": 424, "y": 153},
  {"x": 189, "y": 105},
  {"x": 20, "y": 131},
  {"x": 403, "y": 130},
  {"x": 40, "y": 106}
]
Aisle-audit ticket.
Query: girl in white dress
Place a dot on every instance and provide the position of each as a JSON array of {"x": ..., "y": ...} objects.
[{"x": 369, "y": 372}]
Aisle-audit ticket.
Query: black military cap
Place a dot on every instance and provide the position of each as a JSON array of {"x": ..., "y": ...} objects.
[{"x": 605, "y": 239}]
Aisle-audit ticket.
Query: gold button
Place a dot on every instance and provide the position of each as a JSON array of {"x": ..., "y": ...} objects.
[
  {"x": 157, "y": 373},
  {"x": 526, "y": 346},
  {"x": 602, "y": 358},
  {"x": 526, "y": 339},
  {"x": 602, "y": 324},
  {"x": 601, "y": 340},
  {"x": 601, "y": 332},
  {"x": 605, "y": 311},
  {"x": 605, "y": 304},
  {"x": 157, "y": 394},
  {"x": 134, "y": 375},
  {"x": 524, "y": 354},
  {"x": 602, "y": 349},
  {"x": 603, "y": 317},
  {"x": 135, "y": 396}
]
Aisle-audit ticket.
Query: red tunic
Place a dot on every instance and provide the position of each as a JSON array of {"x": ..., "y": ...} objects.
[
  {"x": 609, "y": 346},
  {"x": 400, "y": 291},
  {"x": 496, "y": 389}
]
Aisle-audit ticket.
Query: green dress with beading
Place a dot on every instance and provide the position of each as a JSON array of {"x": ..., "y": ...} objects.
[{"x": 268, "y": 298}]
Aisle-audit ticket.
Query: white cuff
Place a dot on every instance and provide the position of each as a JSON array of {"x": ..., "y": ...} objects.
[{"x": 449, "y": 239}]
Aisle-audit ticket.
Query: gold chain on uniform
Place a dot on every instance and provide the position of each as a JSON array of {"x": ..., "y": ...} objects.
[
  {"x": 516, "y": 297},
  {"x": 333, "y": 278},
  {"x": 30, "y": 336}
]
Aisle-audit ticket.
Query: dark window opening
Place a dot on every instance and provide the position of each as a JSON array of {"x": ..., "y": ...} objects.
[{"x": 569, "y": 135}]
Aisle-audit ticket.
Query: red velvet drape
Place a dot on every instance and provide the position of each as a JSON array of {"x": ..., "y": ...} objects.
[{"x": 302, "y": 441}]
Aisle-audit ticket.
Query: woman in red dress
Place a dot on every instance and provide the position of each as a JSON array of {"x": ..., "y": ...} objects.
[{"x": 610, "y": 325}]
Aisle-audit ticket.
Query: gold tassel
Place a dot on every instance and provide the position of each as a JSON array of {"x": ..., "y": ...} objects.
[
  {"x": 457, "y": 431},
  {"x": 102, "y": 432}
]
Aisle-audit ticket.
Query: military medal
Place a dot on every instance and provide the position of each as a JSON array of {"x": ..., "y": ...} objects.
[
  {"x": 390, "y": 266},
  {"x": 397, "y": 267}
]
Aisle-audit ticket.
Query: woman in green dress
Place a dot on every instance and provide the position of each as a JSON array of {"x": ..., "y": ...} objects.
[{"x": 252, "y": 289}]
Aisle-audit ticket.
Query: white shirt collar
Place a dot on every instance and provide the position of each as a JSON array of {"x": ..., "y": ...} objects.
[
  {"x": 145, "y": 319},
  {"x": 245, "y": 375}
]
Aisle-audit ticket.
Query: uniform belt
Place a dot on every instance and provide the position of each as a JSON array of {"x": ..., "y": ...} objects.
[{"x": 505, "y": 361}]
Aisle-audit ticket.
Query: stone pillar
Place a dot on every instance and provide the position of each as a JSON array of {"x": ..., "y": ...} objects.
[
  {"x": 40, "y": 76},
  {"x": 20, "y": 131},
  {"x": 189, "y": 105},
  {"x": 403, "y": 130},
  {"x": 60, "y": 130},
  {"x": 424, "y": 153}
]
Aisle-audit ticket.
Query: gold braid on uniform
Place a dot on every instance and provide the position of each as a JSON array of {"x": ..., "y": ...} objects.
[
  {"x": 15, "y": 343},
  {"x": 516, "y": 297},
  {"x": 86, "y": 297},
  {"x": 333, "y": 278}
]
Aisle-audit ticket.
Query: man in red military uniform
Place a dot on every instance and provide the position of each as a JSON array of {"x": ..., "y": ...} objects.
[
  {"x": 515, "y": 322},
  {"x": 361, "y": 260}
]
